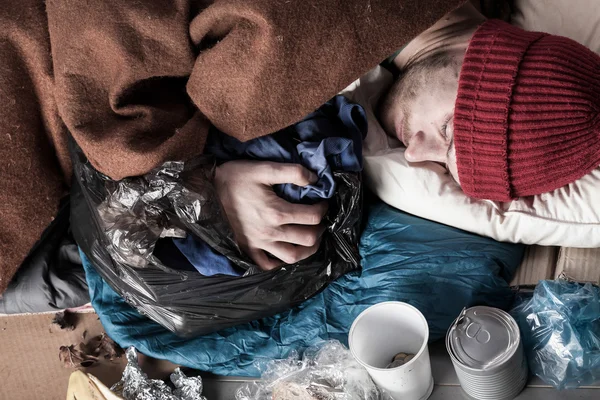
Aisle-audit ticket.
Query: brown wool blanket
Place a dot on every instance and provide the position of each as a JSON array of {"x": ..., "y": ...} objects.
[{"x": 139, "y": 82}]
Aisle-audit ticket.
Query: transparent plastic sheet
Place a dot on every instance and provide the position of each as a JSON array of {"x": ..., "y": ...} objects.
[
  {"x": 560, "y": 326},
  {"x": 117, "y": 224},
  {"x": 135, "y": 384},
  {"x": 327, "y": 372}
]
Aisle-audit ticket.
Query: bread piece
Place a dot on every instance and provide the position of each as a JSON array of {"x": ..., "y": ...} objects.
[{"x": 291, "y": 391}]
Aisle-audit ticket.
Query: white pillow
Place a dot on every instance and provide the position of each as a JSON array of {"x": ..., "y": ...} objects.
[
  {"x": 576, "y": 19},
  {"x": 569, "y": 216}
]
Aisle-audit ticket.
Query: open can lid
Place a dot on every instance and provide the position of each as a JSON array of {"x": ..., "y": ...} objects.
[{"x": 483, "y": 338}]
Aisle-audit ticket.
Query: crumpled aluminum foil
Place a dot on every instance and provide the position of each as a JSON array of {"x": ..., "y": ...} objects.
[
  {"x": 133, "y": 214},
  {"x": 173, "y": 200},
  {"x": 135, "y": 384}
]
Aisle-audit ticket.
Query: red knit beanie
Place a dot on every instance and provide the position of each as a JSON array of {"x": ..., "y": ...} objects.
[{"x": 526, "y": 119}]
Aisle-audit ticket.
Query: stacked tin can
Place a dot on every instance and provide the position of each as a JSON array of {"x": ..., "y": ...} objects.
[{"x": 486, "y": 350}]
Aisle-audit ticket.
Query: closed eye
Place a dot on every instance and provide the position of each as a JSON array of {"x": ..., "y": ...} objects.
[
  {"x": 450, "y": 148},
  {"x": 445, "y": 127}
]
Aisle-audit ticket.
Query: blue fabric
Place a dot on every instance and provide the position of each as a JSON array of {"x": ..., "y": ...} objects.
[
  {"x": 436, "y": 268},
  {"x": 329, "y": 139},
  {"x": 206, "y": 260}
]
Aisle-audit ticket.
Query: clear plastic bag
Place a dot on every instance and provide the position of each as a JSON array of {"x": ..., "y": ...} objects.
[
  {"x": 560, "y": 327},
  {"x": 327, "y": 372},
  {"x": 117, "y": 224}
]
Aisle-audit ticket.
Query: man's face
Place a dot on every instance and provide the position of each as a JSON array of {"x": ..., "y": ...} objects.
[{"x": 422, "y": 113}]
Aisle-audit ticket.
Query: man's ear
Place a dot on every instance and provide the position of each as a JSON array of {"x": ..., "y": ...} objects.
[{"x": 384, "y": 108}]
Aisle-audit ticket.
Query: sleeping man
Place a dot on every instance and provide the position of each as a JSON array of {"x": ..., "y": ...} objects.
[{"x": 510, "y": 113}]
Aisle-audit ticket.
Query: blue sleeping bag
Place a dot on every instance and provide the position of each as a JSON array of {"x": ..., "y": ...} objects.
[{"x": 434, "y": 267}]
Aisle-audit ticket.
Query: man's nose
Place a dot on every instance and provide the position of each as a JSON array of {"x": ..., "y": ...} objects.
[{"x": 426, "y": 147}]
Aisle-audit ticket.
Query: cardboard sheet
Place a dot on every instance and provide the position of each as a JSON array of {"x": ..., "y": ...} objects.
[
  {"x": 30, "y": 367},
  {"x": 539, "y": 263},
  {"x": 582, "y": 265}
]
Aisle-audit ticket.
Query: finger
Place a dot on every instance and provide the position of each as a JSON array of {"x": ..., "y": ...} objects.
[
  {"x": 263, "y": 261},
  {"x": 280, "y": 173},
  {"x": 302, "y": 235},
  {"x": 290, "y": 254},
  {"x": 301, "y": 214}
]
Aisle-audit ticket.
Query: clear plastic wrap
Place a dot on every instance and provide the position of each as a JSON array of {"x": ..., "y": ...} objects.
[
  {"x": 327, "y": 372},
  {"x": 560, "y": 327},
  {"x": 117, "y": 224},
  {"x": 135, "y": 384}
]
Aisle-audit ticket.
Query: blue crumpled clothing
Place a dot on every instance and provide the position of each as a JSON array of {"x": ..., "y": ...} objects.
[
  {"x": 329, "y": 139},
  {"x": 560, "y": 327},
  {"x": 434, "y": 267},
  {"x": 207, "y": 261}
]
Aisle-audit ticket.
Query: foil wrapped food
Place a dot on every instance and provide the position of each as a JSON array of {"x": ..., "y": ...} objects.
[{"x": 135, "y": 384}]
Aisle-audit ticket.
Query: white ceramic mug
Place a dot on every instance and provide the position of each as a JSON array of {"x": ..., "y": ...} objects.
[{"x": 384, "y": 330}]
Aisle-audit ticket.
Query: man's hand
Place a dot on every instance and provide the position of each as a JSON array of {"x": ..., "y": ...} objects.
[{"x": 262, "y": 221}]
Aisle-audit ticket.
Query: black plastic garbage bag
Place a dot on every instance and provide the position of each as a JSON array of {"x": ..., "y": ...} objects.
[{"x": 117, "y": 224}]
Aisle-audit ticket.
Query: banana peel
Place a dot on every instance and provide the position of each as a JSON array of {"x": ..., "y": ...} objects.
[{"x": 84, "y": 386}]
